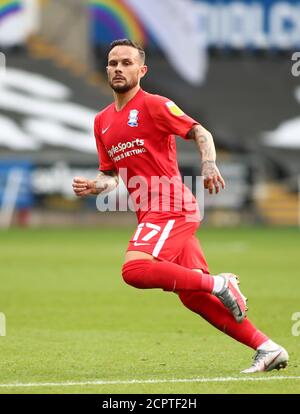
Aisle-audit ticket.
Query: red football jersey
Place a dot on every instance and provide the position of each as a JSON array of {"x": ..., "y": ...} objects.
[{"x": 138, "y": 142}]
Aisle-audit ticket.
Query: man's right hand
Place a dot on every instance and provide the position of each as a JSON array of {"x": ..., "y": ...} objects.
[{"x": 83, "y": 187}]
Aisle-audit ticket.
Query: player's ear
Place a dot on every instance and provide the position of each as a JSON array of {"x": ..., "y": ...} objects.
[{"x": 143, "y": 70}]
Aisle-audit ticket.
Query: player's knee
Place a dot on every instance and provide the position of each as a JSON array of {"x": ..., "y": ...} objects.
[
  {"x": 184, "y": 296},
  {"x": 135, "y": 273}
]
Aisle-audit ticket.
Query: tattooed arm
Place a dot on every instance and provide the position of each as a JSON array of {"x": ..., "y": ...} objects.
[
  {"x": 209, "y": 170},
  {"x": 105, "y": 181}
]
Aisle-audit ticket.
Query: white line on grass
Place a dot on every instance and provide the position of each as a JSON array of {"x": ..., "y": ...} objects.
[{"x": 146, "y": 381}]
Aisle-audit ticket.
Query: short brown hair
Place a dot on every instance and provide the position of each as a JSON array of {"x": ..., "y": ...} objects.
[{"x": 127, "y": 42}]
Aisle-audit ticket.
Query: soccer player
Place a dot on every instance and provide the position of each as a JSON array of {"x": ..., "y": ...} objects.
[{"x": 135, "y": 140}]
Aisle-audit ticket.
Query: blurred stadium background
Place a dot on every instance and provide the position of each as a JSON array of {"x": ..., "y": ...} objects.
[{"x": 227, "y": 63}]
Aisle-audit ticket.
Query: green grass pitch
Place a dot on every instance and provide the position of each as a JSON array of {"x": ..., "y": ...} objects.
[{"x": 71, "y": 318}]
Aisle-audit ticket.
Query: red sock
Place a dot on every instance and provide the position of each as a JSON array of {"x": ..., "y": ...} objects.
[
  {"x": 211, "y": 309},
  {"x": 146, "y": 274}
]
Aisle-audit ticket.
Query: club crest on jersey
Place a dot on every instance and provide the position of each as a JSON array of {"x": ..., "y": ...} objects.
[{"x": 133, "y": 118}]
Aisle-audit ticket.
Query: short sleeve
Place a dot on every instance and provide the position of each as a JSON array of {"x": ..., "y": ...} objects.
[
  {"x": 105, "y": 162},
  {"x": 168, "y": 117}
]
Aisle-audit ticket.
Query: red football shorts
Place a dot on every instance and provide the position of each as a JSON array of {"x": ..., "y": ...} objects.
[{"x": 170, "y": 239}]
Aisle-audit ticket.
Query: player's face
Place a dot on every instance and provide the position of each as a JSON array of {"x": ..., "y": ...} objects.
[{"x": 125, "y": 68}]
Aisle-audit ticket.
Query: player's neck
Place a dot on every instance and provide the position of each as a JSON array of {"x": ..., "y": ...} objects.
[{"x": 121, "y": 99}]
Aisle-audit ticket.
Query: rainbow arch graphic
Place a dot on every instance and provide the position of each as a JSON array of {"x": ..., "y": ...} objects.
[
  {"x": 8, "y": 7},
  {"x": 113, "y": 19}
]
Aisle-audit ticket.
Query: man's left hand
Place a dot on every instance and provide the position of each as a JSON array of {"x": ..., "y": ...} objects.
[{"x": 212, "y": 177}]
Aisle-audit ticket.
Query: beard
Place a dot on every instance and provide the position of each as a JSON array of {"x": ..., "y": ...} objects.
[{"x": 127, "y": 86}]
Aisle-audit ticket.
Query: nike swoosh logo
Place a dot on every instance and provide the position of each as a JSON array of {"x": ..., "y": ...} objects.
[
  {"x": 141, "y": 244},
  {"x": 104, "y": 130},
  {"x": 272, "y": 362}
]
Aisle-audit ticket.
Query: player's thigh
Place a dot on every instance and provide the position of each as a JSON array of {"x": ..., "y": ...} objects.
[
  {"x": 136, "y": 255},
  {"x": 192, "y": 256}
]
